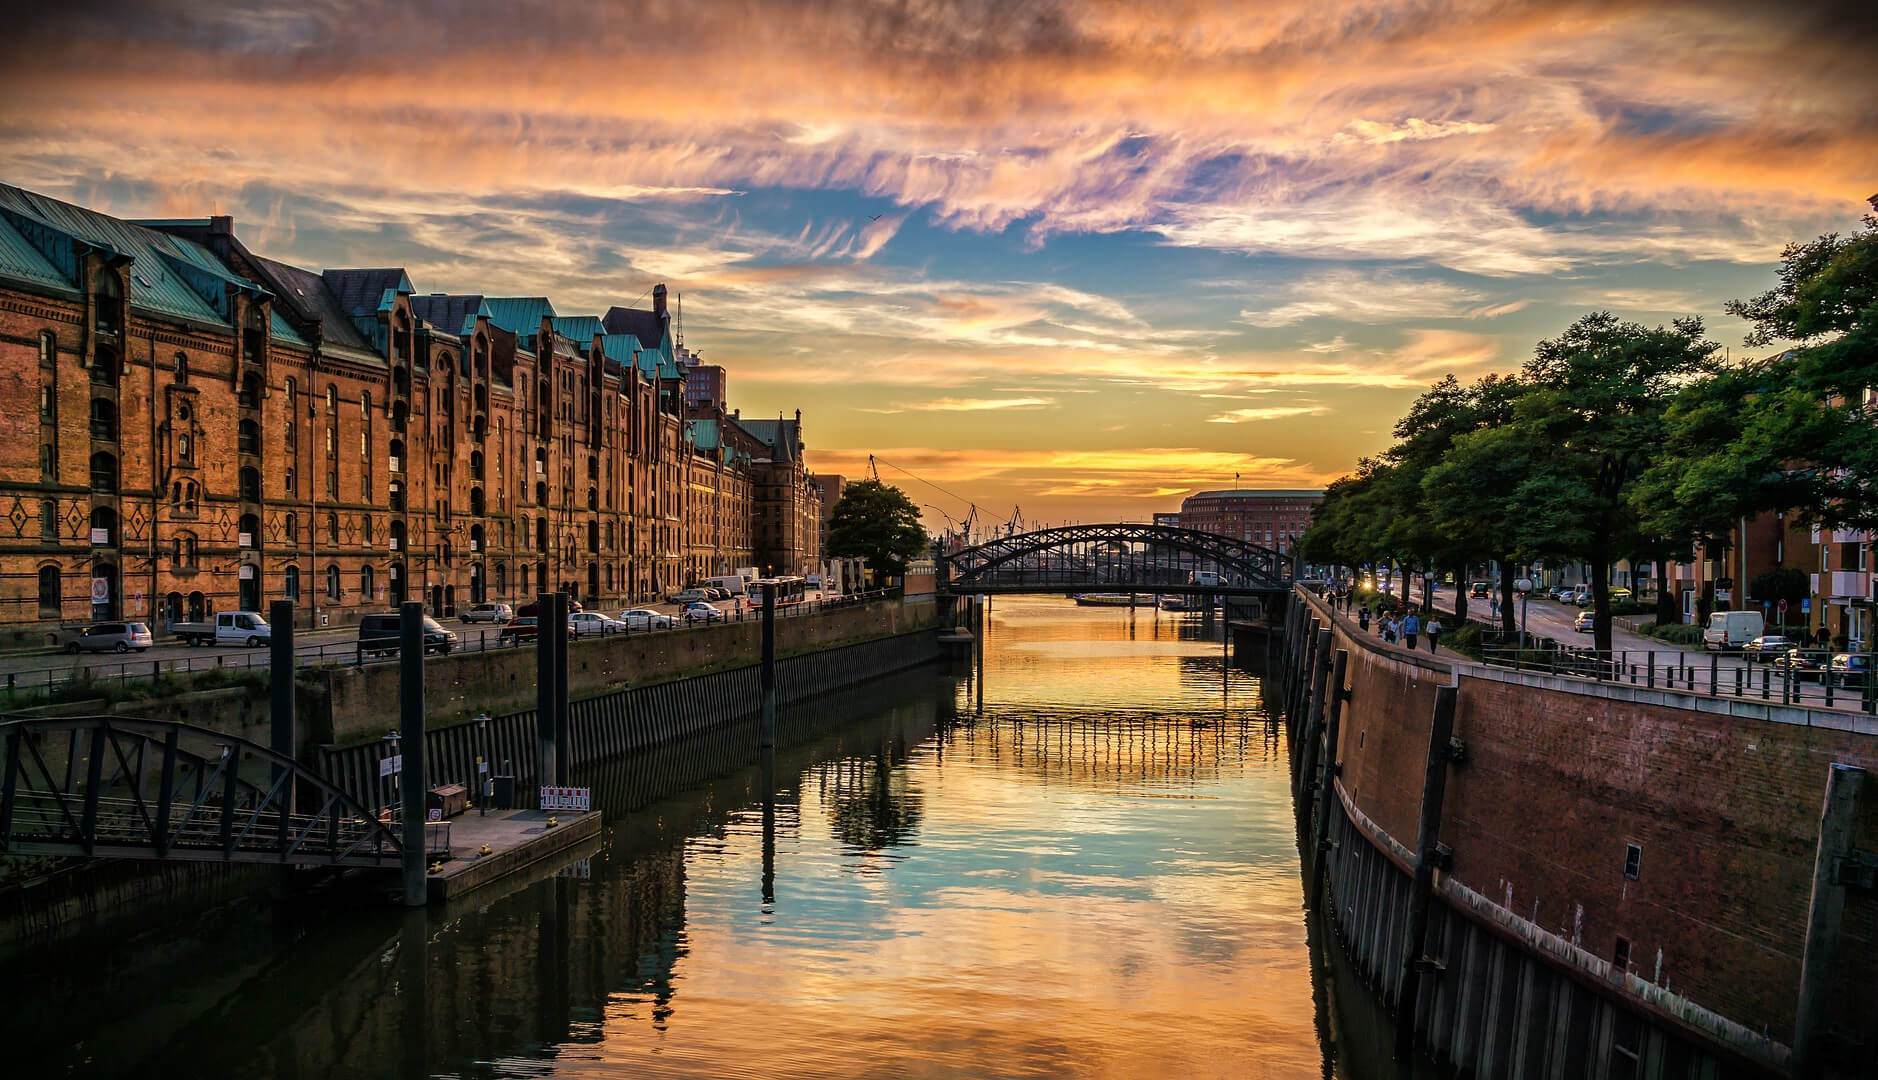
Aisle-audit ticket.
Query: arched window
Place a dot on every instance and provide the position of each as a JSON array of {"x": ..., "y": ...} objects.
[
  {"x": 365, "y": 406},
  {"x": 103, "y": 471},
  {"x": 332, "y": 584},
  {"x": 248, "y": 531},
  {"x": 103, "y": 527},
  {"x": 104, "y": 419},
  {"x": 366, "y": 531},
  {"x": 541, "y": 461},
  {"x": 397, "y": 455},
  {"x": 332, "y": 399},
  {"x": 398, "y": 537},
  {"x": 48, "y": 349},
  {"x": 368, "y": 589},
  {"x": 541, "y": 493},
  {"x": 476, "y": 464},
  {"x": 476, "y": 537},
  {"x": 541, "y": 534},
  {"x": 525, "y": 570},
  {"x": 108, "y": 302},
  {"x": 248, "y": 437},
  {"x": 183, "y": 551},
  {"x": 502, "y": 579},
  {"x": 476, "y": 501},
  {"x": 51, "y": 600},
  {"x": 593, "y": 498},
  {"x": 291, "y": 527},
  {"x": 250, "y": 484},
  {"x": 288, "y": 389},
  {"x": 396, "y": 495},
  {"x": 182, "y": 369},
  {"x": 593, "y": 467},
  {"x": 290, "y": 583},
  {"x": 104, "y": 367},
  {"x": 250, "y": 395},
  {"x": 593, "y": 536}
]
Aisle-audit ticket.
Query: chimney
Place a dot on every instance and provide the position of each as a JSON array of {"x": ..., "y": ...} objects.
[
  {"x": 658, "y": 300},
  {"x": 222, "y": 225}
]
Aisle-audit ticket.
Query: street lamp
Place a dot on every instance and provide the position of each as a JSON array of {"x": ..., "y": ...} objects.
[{"x": 1524, "y": 587}]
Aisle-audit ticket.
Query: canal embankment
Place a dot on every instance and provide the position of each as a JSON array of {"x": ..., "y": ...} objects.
[{"x": 1537, "y": 872}]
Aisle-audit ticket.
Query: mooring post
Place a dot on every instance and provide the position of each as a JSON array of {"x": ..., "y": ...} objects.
[
  {"x": 280, "y": 682},
  {"x": 545, "y": 695},
  {"x": 563, "y": 748},
  {"x": 769, "y": 825},
  {"x": 978, "y": 649},
  {"x": 411, "y": 723},
  {"x": 768, "y": 735},
  {"x": 1825, "y": 914},
  {"x": 1427, "y": 845},
  {"x": 1327, "y": 779},
  {"x": 1307, "y": 677}
]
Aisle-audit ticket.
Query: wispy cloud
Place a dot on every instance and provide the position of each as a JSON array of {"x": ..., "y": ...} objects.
[
  {"x": 1253, "y": 416},
  {"x": 981, "y": 404}
]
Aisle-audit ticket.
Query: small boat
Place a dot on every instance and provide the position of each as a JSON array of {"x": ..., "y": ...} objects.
[{"x": 1105, "y": 600}]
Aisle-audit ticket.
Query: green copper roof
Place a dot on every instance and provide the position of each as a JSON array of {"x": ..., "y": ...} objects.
[
  {"x": 518, "y": 314},
  {"x": 581, "y": 328}
]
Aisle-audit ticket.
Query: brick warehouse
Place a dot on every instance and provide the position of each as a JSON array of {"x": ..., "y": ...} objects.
[{"x": 210, "y": 429}]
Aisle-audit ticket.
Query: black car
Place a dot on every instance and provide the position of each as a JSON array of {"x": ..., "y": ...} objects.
[{"x": 382, "y": 634}]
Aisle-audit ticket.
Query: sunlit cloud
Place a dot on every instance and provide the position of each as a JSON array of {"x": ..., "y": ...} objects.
[
  {"x": 981, "y": 404},
  {"x": 1352, "y": 296},
  {"x": 1253, "y": 416}
]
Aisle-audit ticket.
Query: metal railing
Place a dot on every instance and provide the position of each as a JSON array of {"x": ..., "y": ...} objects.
[
  {"x": 1820, "y": 678},
  {"x": 87, "y": 669}
]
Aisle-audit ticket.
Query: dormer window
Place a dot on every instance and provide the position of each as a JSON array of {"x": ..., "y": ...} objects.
[{"x": 108, "y": 303}]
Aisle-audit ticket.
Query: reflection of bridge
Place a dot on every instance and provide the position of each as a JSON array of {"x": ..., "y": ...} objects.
[
  {"x": 1123, "y": 556},
  {"x": 118, "y": 787}
]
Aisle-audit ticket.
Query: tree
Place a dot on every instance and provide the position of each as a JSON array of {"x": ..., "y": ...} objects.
[
  {"x": 1590, "y": 424},
  {"x": 877, "y": 522}
]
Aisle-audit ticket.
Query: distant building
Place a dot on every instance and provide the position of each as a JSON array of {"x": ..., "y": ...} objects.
[
  {"x": 1172, "y": 521},
  {"x": 788, "y": 512},
  {"x": 1273, "y": 519},
  {"x": 706, "y": 387}
]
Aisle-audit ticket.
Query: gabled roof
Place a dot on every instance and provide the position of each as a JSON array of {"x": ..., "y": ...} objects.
[
  {"x": 519, "y": 314},
  {"x": 779, "y": 435},
  {"x": 308, "y": 290},
  {"x": 41, "y": 240},
  {"x": 647, "y": 326},
  {"x": 581, "y": 328},
  {"x": 451, "y": 314},
  {"x": 364, "y": 293}
]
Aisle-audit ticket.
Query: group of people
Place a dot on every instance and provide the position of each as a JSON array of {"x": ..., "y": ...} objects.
[{"x": 1406, "y": 628}]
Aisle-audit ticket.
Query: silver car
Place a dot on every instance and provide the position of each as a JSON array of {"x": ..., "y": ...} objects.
[
  {"x": 489, "y": 613},
  {"x": 110, "y": 637},
  {"x": 645, "y": 619}
]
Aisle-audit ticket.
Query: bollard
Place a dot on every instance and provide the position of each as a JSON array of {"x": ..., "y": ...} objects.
[
  {"x": 280, "y": 705},
  {"x": 767, "y": 735},
  {"x": 411, "y": 723}
]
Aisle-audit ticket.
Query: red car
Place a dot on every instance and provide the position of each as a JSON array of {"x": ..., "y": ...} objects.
[{"x": 523, "y": 629}]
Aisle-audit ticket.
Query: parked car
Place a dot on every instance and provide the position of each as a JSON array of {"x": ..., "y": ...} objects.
[
  {"x": 645, "y": 619},
  {"x": 1801, "y": 666},
  {"x": 1477, "y": 591},
  {"x": 110, "y": 636},
  {"x": 383, "y": 634},
  {"x": 525, "y": 628},
  {"x": 1585, "y": 621},
  {"x": 1563, "y": 594},
  {"x": 700, "y": 611},
  {"x": 1852, "y": 669},
  {"x": 1620, "y": 596},
  {"x": 593, "y": 624},
  {"x": 227, "y": 628},
  {"x": 489, "y": 613},
  {"x": 1582, "y": 597},
  {"x": 1767, "y": 646},
  {"x": 688, "y": 596}
]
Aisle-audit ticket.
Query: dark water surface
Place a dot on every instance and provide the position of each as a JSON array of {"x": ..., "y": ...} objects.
[{"x": 1096, "y": 877}]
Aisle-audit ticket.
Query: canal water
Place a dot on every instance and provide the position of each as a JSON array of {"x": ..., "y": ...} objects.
[{"x": 1097, "y": 875}]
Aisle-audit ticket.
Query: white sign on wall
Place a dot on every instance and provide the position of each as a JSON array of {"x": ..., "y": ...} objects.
[
  {"x": 566, "y": 798},
  {"x": 392, "y": 764}
]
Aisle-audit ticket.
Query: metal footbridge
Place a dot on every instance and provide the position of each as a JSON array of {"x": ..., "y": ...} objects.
[
  {"x": 116, "y": 787},
  {"x": 1116, "y": 557}
]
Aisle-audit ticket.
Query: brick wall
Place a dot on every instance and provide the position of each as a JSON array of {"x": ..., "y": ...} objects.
[{"x": 1556, "y": 783}]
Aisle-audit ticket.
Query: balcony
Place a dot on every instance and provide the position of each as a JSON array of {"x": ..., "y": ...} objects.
[{"x": 1848, "y": 583}]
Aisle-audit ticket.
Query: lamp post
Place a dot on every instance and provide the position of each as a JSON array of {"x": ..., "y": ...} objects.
[{"x": 1524, "y": 587}]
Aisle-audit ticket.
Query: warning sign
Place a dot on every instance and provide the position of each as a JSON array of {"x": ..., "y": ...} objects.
[{"x": 566, "y": 798}]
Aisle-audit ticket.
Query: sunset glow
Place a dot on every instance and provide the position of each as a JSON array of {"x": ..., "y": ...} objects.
[{"x": 1082, "y": 257}]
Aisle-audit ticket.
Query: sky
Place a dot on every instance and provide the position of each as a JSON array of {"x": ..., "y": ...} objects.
[{"x": 1074, "y": 259}]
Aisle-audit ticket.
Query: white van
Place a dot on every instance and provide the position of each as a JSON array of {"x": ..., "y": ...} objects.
[
  {"x": 1732, "y": 629},
  {"x": 730, "y": 583},
  {"x": 1205, "y": 579}
]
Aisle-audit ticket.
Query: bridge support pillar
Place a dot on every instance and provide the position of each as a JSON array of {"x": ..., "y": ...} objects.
[{"x": 411, "y": 725}]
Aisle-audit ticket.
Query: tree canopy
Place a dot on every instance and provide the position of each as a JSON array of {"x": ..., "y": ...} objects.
[{"x": 877, "y": 522}]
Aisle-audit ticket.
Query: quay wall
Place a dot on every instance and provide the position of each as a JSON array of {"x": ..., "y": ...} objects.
[{"x": 1557, "y": 779}]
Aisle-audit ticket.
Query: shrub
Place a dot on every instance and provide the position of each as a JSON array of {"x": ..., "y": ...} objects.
[{"x": 1674, "y": 633}]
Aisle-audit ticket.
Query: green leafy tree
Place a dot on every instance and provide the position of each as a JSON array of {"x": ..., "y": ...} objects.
[
  {"x": 1588, "y": 428},
  {"x": 877, "y": 522}
]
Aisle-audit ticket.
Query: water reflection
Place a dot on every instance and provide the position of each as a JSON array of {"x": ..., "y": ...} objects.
[{"x": 1096, "y": 876}]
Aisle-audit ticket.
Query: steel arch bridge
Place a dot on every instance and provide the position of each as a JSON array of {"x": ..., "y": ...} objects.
[
  {"x": 1118, "y": 556},
  {"x": 117, "y": 787}
]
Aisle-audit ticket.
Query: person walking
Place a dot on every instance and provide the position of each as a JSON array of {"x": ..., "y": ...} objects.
[
  {"x": 1388, "y": 628},
  {"x": 1411, "y": 628},
  {"x": 1434, "y": 633},
  {"x": 1362, "y": 618}
]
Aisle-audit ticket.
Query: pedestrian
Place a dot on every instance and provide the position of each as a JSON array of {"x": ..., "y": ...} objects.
[
  {"x": 1362, "y": 619},
  {"x": 1388, "y": 629},
  {"x": 1411, "y": 628},
  {"x": 1434, "y": 633}
]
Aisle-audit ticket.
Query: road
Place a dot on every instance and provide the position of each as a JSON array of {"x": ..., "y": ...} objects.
[
  {"x": 1641, "y": 655},
  {"x": 325, "y": 646}
]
